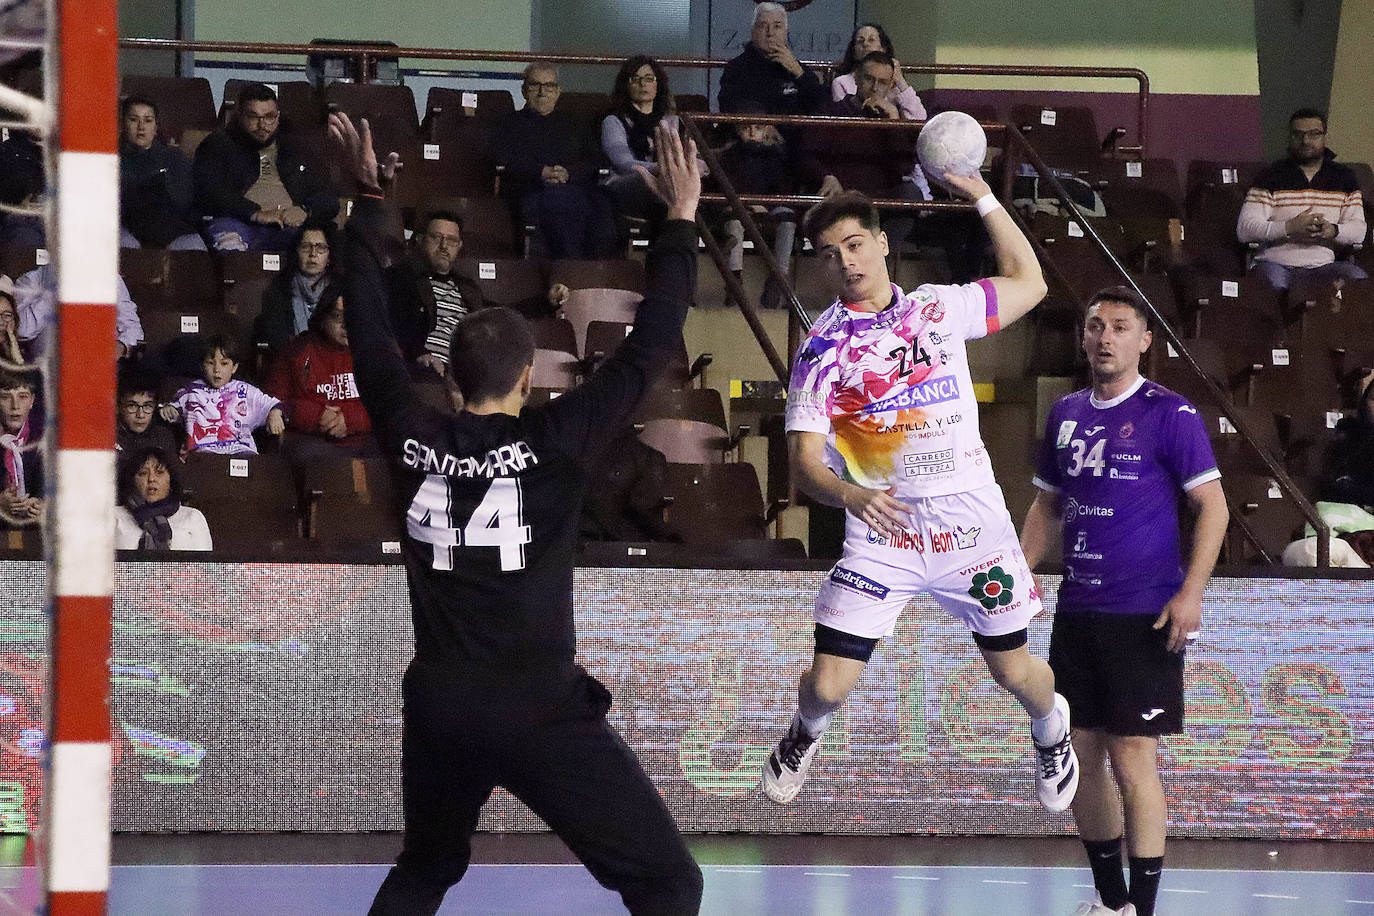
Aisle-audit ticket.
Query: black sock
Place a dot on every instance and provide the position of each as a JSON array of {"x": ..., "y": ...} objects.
[
  {"x": 1145, "y": 883},
  {"x": 1104, "y": 857}
]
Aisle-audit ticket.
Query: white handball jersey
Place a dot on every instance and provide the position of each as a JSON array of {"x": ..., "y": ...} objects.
[{"x": 892, "y": 390}]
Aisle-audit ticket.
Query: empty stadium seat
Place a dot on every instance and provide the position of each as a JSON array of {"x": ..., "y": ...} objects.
[
  {"x": 174, "y": 339},
  {"x": 244, "y": 277},
  {"x": 1273, "y": 520},
  {"x": 453, "y": 160},
  {"x": 712, "y": 504},
  {"x": 603, "y": 338},
  {"x": 249, "y": 501},
  {"x": 351, "y": 506},
  {"x": 515, "y": 283},
  {"x": 487, "y": 105},
  {"x": 584, "y": 306},
  {"x": 1064, "y": 136},
  {"x": 615, "y": 273}
]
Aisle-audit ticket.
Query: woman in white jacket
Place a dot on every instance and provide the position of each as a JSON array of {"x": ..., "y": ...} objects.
[{"x": 150, "y": 515}]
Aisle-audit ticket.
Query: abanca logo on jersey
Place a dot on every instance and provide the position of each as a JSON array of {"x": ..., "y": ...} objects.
[
  {"x": 845, "y": 578},
  {"x": 922, "y": 394}
]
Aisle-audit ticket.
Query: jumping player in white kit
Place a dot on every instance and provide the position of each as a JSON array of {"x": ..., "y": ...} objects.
[{"x": 882, "y": 420}]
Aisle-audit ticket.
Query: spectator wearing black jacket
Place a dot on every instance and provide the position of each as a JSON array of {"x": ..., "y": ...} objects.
[
  {"x": 550, "y": 160},
  {"x": 256, "y": 182},
  {"x": 767, "y": 73},
  {"x": 1350, "y": 459},
  {"x": 428, "y": 294},
  {"x": 155, "y": 187}
]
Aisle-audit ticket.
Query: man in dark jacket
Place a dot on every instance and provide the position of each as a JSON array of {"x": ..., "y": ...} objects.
[
  {"x": 766, "y": 72},
  {"x": 257, "y": 184},
  {"x": 550, "y": 160},
  {"x": 428, "y": 294}
]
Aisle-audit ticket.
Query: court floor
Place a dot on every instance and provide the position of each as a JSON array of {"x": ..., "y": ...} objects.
[{"x": 524, "y": 875}]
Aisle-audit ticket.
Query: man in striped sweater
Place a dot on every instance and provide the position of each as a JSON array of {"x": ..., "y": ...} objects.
[{"x": 1302, "y": 209}]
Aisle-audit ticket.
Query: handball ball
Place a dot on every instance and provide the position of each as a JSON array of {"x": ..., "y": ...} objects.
[{"x": 951, "y": 142}]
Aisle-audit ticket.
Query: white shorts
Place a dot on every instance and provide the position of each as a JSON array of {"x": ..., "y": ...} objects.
[{"x": 963, "y": 551}]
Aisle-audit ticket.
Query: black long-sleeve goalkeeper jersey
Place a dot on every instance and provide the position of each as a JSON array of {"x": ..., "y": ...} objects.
[{"x": 493, "y": 501}]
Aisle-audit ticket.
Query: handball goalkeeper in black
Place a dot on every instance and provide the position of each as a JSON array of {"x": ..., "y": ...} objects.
[{"x": 493, "y": 696}]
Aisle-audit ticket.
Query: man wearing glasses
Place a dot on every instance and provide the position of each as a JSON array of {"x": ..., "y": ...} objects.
[
  {"x": 254, "y": 184},
  {"x": 138, "y": 427},
  {"x": 1303, "y": 209},
  {"x": 550, "y": 159}
]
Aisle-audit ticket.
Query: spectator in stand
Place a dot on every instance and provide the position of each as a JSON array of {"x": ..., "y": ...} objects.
[
  {"x": 155, "y": 189},
  {"x": 12, "y": 355},
  {"x": 314, "y": 382},
  {"x": 150, "y": 515},
  {"x": 255, "y": 181},
  {"x": 641, "y": 98},
  {"x": 875, "y": 163},
  {"x": 767, "y": 73},
  {"x": 756, "y": 161},
  {"x": 866, "y": 39},
  {"x": 428, "y": 294},
  {"x": 220, "y": 411},
  {"x": 137, "y": 425},
  {"x": 1349, "y": 474},
  {"x": 21, "y": 185},
  {"x": 1302, "y": 208},
  {"x": 297, "y": 291},
  {"x": 35, "y": 293},
  {"x": 550, "y": 160},
  {"x": 21, "y": 452}
]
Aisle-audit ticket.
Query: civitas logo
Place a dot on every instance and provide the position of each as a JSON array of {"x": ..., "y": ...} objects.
[{"x": 1073, "y": 509}]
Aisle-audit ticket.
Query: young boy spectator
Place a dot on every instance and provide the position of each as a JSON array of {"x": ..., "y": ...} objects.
[
  {"x": 314, "y": 381},
  {"x": 221, "y": 412},
  {"x": 21, "y": 458},
  {"x": 137, "y": 425}
]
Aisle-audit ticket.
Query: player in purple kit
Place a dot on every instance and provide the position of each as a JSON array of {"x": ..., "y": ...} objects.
[
  {"x": 1115, "y": 459},
  {"x": 882, "y": 420}
]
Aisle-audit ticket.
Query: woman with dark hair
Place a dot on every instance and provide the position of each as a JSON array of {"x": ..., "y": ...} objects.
[
  {"x": 150, "y": 515},
  {"x": 297, "y": 291},
  {"x": 641, "y": 98},
  {"x": 1349, "y": 474},
  {"x": 155, "y": 189},
  {"x": 866, "y": 39}
]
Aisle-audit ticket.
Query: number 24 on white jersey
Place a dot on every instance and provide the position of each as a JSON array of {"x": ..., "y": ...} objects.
[{"x": 496, "y": 522}]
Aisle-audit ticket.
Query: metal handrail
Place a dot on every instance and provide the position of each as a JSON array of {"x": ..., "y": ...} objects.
[
  {"x": 366, "y": 53},
  {"x": 1286, "y": 484}
]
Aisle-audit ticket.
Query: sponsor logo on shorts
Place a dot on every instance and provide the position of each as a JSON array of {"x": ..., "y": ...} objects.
[
  {"x": 993, "y": 589},
  {"x": 958, "y": 539},
  {"x": 846, "y": 578},
  {"x": 825, "y": 610},
  {"x": 904, "y": 540},
  {"x": 922, "y": 394},
  {"x": 997, "y": 559},
  {"x": 941, "y": 462}
]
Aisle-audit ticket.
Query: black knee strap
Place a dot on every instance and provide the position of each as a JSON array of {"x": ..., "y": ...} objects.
[
  {"x": 831, "y": 641},
  {"x": 1004, "y": 643}
]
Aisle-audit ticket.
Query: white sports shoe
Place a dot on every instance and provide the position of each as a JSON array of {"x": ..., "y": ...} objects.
[
  {"x": 785, "y": 769},
  {"x": 1097, "y": 909},
  {"x": 1057, "y": 780}
]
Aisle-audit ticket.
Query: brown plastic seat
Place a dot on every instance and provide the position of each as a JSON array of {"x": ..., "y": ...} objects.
[
  {"x": 584, "y": 306},
  {"x": 1071, "y": 142},
  {"x": 512, "y": 282},
  {"x": 145, "y": 273},
  {"x": 1160, "y": 175},
  {"x": 491, "y": 104},
  {"x": 714, "y": 503},
  {"x": 1274, "y": 520},
  {"x": 351, "y": 506},
  {"x": 183, "y": 102},
  {"x": 176, "y": 338},
  {"x": 244, "y": 280},
  {"x": 390, "y": 112},
  {"x": 603, "y": 338},
  {"x": 555, "y": 369},
  {"x": 255, "y": 514},
  {"x": 554, "y": 334},
  {"x": 686, "y": 425},
  {"x": 453, "y": 159}
]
